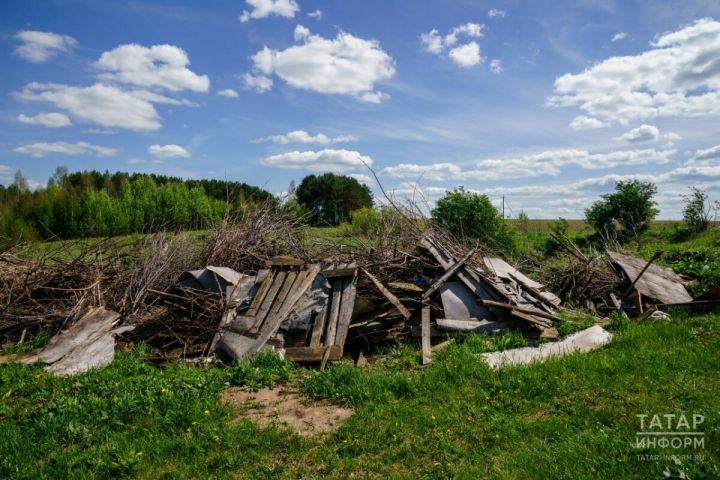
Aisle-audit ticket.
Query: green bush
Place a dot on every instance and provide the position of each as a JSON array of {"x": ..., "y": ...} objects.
[
  {"x": 365, "y": 221},
  {"x": 472, "y": 215},
  {"x": 625, "y": 213}
]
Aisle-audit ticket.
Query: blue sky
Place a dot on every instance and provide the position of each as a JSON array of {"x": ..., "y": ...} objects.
[{"x": 548, "y": 103}]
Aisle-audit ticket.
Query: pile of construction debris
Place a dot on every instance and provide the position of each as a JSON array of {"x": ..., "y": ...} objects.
[{"x": 419, "y": 284}]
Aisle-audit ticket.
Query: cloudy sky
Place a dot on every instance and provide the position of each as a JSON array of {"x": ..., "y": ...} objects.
[{"x": 546, "y": 102}]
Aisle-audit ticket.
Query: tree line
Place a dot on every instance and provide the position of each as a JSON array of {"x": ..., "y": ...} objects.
[{"x": 93, "y": 203}]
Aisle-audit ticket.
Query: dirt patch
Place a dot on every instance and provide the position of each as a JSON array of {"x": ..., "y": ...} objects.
[{"x": 283, "y": 406}]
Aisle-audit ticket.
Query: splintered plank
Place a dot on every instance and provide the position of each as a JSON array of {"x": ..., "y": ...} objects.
[
  {"x": 466, "y": 275},
  {"x": 313, "y": 354},
  {"x": 319, "y": 327},
  {"x": 337, "y": 292},
  {"x": 389, "y": 295},
  {"x": 426, "y": 345},
  {"x": 304, "y": 281},
  {"x": 269, "y": 300},
  {"x": 346, "y": 310},
  {"x": 260, "y": 295},
  {"x": 287, "y": 286},
  {"x": 448, "y": 273},
  {"x": 286, "y": 261}
]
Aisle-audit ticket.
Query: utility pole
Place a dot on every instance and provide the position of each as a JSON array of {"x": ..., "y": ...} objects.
[{"x": 503, "y": 208}]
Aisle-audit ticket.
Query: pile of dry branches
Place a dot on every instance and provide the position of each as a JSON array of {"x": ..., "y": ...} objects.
[
  {"x": 54, "y": 289},
  {"x": 244, "y": 241}
]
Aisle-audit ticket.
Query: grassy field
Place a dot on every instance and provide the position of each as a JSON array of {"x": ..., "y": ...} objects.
[
  {"x": 568, "y": 418},
  {"x": 574, "y": 417}
]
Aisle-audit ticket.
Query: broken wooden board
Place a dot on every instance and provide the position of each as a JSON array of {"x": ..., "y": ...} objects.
[
  {"x": 658, "y": 283},
  {"x": 389, "y": 295},
  {"x": 448, "y": 273},
  {"x": 332, "y": 323},
  {"x": 425, "y": 329},
  {"x": 478, "y": 286},
  {"x": 274, "y": 301},
  {"x": 582, "y": 341},
  {"x": 88, "y": 343}
]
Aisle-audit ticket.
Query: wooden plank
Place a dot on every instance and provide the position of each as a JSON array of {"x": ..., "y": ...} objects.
[
  {"x": 426, "y": 345},
  {"x": 339, "y": 272},
  {"x": 346, "y": 310},
  {"x": 530, "y": 319},
  {"x": 269, "y": 300},
  {"x": 448, "y": 273},
  {"x": 91, "y": 326},
  {"x": 407, "y": 286},
  {"x": 289, "y": 282},
  {"x": 389, "y": 295},
  {"x": 505, "y": 306},
  {"x": 467, "y": 276},
  {"x": 537, "y": 294},
  {"x": 659, "y": 283},
  {"x": 337, "y": 291},
  {"x": 260, "y": 295},
  {"x": 286, "y": 261},
  {"x": 271, "y": 325},
  {"x": 657, "y": 255},
  {"x": 319, "y": 326},
  {"x": 313, "y": 354}
]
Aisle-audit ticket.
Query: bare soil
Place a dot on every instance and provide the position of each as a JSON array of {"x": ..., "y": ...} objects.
[{"x": 282, "y": 406}]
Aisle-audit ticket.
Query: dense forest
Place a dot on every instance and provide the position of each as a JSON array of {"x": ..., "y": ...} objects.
[{"x": 92, "y": 203}]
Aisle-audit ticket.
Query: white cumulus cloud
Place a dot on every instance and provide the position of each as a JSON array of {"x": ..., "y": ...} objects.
[
  {"x": 496, "y": 66},
  {"x": 547, "y": 163},
  {"x": 228, "y": 92},
  {"x": 434, "y": 171},
  {"x": 167, "y": 151},
  {"x": 38, "y": 47},
  {"x": 104, "y": 105},
  {"x": 39, "y": 150},
  {"x": 678, "y": 76},
  {"x": 619, "y": 36},
  {"x": 643, "y": 133},
  {"x": 581, "y": 122},
  {"x": 708, "y": 157},
  {"x": 49, "y": 120},
  {"x": 301, "y": 136},
  {"x": 324, "y": 160},
  {"x": 163, "y": 66},
  {"x": 345, "y": 65},
  {"x": 495, "y": 13},
  {"x": 317, "y": 14},
  {"x": 266, "y": 8},
  {"x": 259, "y": 83},
  {"x": 466, "y": 55}
]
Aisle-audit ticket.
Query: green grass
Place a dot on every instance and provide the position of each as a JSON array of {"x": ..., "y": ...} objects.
[{"x": 568, "y": 418}]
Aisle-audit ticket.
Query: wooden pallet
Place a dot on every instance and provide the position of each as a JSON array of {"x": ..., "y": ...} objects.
[
  {"x": 273, "y": 304},
  {"x": 330, "y": 328}
]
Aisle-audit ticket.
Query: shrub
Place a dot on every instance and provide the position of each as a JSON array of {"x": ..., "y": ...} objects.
[
  {"x": 626, "y": 212},
  {"x": 471, "y": 215},
  {"x": 698, "y": 210},
  {"x": 365, "y": 221}
]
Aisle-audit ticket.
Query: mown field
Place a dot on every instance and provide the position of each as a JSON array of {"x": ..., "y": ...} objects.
[{"x": 568, "y": 418}]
